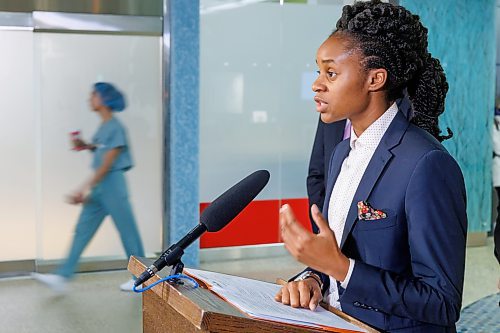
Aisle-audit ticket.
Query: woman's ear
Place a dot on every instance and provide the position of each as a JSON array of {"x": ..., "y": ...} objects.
[{"x": 376, "y": 79}]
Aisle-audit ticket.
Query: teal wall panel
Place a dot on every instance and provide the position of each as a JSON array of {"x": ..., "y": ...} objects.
[{"x": 462, "y": 36}]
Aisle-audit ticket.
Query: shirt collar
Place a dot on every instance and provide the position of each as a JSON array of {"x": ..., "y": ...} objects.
[{"x": 373, "y": 134}]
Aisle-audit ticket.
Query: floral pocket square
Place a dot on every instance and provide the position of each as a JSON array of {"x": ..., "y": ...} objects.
[{"x": 368, "y": 213}]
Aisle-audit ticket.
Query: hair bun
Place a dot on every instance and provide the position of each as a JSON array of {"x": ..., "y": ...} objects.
[{"x": 428, "y": 92}]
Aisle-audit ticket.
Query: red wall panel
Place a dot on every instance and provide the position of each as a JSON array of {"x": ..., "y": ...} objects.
[{"x": 256, "y": 224}]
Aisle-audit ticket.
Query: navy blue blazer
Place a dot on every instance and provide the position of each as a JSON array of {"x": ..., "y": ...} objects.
[
  {"x": 326, "y": 138},
  {"x": 409, "y": 269}
]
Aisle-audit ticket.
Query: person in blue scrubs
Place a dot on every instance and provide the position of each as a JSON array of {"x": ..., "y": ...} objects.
[{"x": 106, "y": 192}]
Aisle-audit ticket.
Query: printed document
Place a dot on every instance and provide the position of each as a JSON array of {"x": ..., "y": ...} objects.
[{"x": 256, "y": 298}]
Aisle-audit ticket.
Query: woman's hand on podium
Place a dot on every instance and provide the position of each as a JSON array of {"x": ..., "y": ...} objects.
[{"x": 304, "y": 294}]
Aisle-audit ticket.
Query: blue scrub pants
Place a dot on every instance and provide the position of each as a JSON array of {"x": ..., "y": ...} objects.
[{"x": 109, "y": 197}]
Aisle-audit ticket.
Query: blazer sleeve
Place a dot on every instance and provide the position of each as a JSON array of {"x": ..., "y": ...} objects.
[
  {"x": 316, "y": 174},
  {"x": 435, "y": 206}
]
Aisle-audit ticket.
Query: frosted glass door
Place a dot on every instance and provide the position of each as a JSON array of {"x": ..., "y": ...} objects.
[{"x": 66, "y": 67}]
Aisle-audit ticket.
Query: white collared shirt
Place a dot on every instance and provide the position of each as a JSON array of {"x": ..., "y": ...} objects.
[{"x": 351, "y": 172}]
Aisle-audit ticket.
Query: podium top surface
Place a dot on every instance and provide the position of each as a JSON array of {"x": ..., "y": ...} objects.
[
  {"x": 204, "y": 309},
  {"x": 192, "y": 301}
]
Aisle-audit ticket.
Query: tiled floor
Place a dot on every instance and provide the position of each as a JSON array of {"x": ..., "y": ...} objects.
[
  {"x": 482, "y": 273},
  {"x": 95, "y": 303}
]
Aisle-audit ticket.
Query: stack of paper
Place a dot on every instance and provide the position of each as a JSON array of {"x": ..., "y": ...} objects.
[{"x": 256, "y": 298}]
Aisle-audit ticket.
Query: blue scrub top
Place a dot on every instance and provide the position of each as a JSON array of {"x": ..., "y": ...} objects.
[{"x": 110, "y": 135}]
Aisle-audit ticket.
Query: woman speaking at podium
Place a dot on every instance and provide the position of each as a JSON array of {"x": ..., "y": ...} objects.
[{"x": 391, "y": 244}]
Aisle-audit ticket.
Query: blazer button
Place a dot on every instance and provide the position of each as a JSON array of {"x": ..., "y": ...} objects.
[{"x": 357, "y": 304}]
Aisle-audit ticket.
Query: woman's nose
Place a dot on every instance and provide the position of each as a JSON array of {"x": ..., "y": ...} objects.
[{"x": 318, "y": 86}]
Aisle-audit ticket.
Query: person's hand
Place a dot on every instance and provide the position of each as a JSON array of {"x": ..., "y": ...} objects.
[
  {"x": 318, "y": 251},
  {"x": 304, "y": 294},
  {"x": 75, "y": 198},
  {"x": 79, "y": 144},
  {"x": 78, "y": 197}
]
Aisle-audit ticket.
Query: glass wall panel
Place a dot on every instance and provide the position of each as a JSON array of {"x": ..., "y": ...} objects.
[
  {"x": 257, "y": 68},
  {"x": 66, "y": 67}
]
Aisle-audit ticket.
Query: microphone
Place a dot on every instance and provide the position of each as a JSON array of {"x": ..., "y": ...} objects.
[{"x": 215, "y": 217}]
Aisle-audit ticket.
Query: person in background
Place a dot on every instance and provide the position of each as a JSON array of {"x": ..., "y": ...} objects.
[
  {"x": 326, "y": 138},
  {"x": 496, "y": 175},
  {"x": 105, "y": 193}
]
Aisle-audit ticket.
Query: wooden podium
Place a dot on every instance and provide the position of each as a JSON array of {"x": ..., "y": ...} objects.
[{"x": 179, "y": 309}]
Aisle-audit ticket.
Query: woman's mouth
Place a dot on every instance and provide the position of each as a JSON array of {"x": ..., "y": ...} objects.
[{"x": 321, "y": 105}]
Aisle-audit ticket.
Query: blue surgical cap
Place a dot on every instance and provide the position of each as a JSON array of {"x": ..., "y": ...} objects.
[{"x": 110, "y": 96}]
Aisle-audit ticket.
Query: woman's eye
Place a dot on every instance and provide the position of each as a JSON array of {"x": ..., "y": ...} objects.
[{"x": 329, "y": 74}]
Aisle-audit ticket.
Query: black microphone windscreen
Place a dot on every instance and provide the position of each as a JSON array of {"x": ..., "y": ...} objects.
[{"x": 230, "y": 203}]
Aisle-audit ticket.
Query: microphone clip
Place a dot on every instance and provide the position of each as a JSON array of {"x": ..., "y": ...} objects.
[
  {"x": 173, "y": 258},
  {"x": 176, "y": 269}
]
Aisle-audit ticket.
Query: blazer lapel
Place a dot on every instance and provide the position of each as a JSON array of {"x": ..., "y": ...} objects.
[
  {"x": 378, "y": 163},
  {"x": 337, "y": 158}
]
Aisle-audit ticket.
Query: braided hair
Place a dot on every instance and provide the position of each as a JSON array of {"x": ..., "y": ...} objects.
[{"x": 390, "y": 37}]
